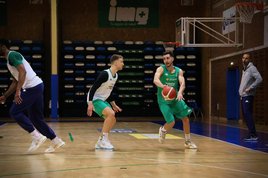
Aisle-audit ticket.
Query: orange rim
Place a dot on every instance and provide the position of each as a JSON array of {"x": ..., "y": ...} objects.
[
  {"x": 258, "y": 6},
  {"x": 177, "y": 44}
]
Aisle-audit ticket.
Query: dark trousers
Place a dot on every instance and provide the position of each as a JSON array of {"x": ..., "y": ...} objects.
[
  {"x": 29, "y": 114},
  {"x": 247, "y": 111}
]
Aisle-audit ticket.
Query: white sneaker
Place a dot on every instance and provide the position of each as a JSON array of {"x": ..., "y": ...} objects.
[
  {"x": 190, "y": 145},
  {"x": 104, "y": 144},
  {"x": 162, "y": 135},
  {"x": 56, "y": 143},
  {"x": 36, "y": 143}
]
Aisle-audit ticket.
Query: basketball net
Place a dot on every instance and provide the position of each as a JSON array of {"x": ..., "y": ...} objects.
[
  {"x": 247, "y": 10},
  {"x": 170, "y": 46}
]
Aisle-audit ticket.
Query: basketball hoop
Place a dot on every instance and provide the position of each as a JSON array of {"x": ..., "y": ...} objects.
[
  {"x": 170, "y": 46},
  {"x": 246, "y": 10}
]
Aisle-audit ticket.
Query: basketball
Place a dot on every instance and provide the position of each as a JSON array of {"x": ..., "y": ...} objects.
[{"x": 169, "y": 93}]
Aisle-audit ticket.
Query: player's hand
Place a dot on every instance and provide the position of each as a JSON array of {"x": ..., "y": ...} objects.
[
  {"x": 165, "y": 85},
  {"x": 17, "y": 98},
  {"x": 117, "y": 108},
  {"x": 89, "y": 109},
  {"x": 247, "y": 90},
  {"x": 179, "y": 96},
  {"x": 2, "y": 99}
]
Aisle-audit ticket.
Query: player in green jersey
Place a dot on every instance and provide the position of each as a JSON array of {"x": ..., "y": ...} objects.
[{"x": 168, "y": 74}]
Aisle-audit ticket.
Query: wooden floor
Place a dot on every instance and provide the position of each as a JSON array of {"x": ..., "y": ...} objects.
[{"x": 134, "y": 156}]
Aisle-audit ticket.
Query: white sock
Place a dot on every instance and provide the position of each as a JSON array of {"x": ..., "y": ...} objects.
[
  {"x": 55, "y": 140},
  {"x": 35, "y": 134},
  {"x": 163, "y": 129},
  {"x": 187, "y": 137},
  {"x": 105, "y": 136}
]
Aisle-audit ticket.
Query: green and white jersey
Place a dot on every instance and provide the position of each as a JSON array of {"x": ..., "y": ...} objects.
[
  {"x": 13, "y": 60},
  {"x": 170, "y": 79},
  {"x": 104, "y": 91}
]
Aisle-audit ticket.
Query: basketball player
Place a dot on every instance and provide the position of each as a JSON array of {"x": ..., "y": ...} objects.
[
  {"x": 97, "y": 96},
  {"x": 28, "y": 89},
  {"x": 170, "y": 75}
]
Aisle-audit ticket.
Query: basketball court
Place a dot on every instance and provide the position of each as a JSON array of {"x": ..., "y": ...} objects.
[
  {"x": 221, "y": 151},
  {"x": 136, "y": 154}
]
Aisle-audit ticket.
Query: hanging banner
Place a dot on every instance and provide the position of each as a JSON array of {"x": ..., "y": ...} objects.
[
  {"x": 128, "y": 13},
  {"x": 3, "y": 12}
]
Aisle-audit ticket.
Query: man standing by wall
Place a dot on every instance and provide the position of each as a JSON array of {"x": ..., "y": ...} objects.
[{"x": 251, "y": 78}]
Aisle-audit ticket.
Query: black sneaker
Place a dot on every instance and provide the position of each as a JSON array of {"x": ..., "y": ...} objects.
[
  {"x": 251, "y": 138},
  {"x": 2, "y": 123}
]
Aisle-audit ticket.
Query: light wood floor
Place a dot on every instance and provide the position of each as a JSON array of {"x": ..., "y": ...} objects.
[{"x": 132, "y": 157}]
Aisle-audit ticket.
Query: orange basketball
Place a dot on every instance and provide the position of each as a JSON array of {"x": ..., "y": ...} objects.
[{"x": 169, "y": 93}]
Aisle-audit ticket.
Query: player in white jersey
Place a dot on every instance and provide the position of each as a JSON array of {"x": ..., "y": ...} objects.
[
  {"x": 97, "y": 96},
  {"x": 28, "y": 89}
]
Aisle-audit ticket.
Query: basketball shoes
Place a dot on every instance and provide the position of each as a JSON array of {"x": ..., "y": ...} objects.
[
  {"x": 189, "y": 144},
  {"x": 2, "y": 123},
  {"x": 251, "y": 138},
  {"x": 162, "y": 135},
  {"x": 36, "y": 143},
  {"x": 56, "y": 143},
  {"x": 104, "y": 143}
]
